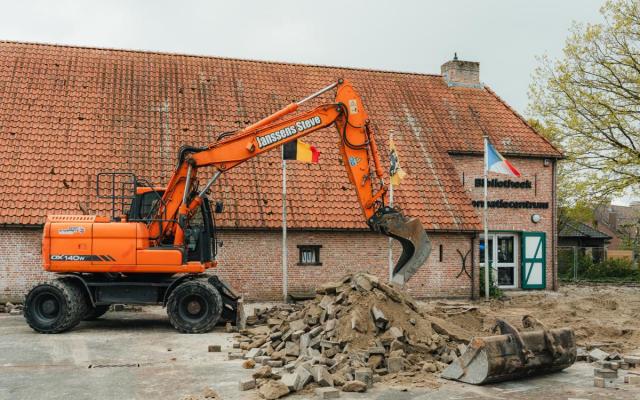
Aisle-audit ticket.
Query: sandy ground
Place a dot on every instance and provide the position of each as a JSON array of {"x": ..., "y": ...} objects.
[
  {"x": 131, "y": 356},
  {"x": 607, "y": 317},
  {"x": 139, "y": 356}
]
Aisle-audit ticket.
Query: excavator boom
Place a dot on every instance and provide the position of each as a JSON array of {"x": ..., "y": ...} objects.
[{"x": 357, "y": 144}]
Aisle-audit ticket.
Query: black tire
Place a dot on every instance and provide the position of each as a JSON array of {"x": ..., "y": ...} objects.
[
  {"x": 194, "y": 306},
  {"x": 96, "y": 312},
  {"x": 55, "y": 306}
]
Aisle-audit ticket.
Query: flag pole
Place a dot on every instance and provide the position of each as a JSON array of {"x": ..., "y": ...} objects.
[
  {"x": 390, "y": 205},
  {"x": 390, "y": 240},
  {"x": 284, "y": 228},
  {"x": 487, "y": 264}
]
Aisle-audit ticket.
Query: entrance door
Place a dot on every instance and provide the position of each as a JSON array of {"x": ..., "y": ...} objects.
[
  {"x": 534, "y": 260},
  {"x": 504, "y": 265}
]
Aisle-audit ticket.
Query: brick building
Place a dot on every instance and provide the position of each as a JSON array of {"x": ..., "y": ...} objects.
[
  {"x": 619, "y": 222},
  {"x": 67, "y": 113}
]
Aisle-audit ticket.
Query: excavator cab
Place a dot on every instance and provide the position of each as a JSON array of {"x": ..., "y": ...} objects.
[
  {"x": 145, "y": 203},
  {"x": 200, "y": 232},
  {"x": 144, "y": 200}
]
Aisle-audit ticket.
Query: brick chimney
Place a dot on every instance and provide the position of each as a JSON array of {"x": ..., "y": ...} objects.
[{"x": 461, "y": 73}]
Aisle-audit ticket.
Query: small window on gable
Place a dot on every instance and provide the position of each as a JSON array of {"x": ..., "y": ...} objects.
[{"x": 309, "y": 254}]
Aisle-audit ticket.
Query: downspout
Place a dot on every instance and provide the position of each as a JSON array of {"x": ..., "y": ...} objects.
[
  {"x": 473, "y": 266},
  {"x": 554, "y": 233}
]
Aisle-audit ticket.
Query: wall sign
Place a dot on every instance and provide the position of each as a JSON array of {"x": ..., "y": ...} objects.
[
  {"x": 510, "y": 204},
  {"x": 503, "y": 183}
]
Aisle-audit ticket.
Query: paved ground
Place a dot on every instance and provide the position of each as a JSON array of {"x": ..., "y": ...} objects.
[{"x": 139, "y": 356}]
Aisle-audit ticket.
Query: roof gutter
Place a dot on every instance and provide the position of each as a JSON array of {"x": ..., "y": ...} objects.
[
  {"x": 479, "y": 153},
  {"x": 21, "y": 226},
  {"x": 345, "y": 230},
  {"x": 258, "y": 229}
]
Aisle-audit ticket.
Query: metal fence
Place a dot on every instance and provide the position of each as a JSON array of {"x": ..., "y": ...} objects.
[{"x": 574, "y": 261}]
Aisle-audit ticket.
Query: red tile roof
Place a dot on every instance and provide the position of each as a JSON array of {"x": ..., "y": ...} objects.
[{"x": 67, "y": 113}]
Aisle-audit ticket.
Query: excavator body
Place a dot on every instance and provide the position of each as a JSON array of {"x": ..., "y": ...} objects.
[
  {"x": 86, "y": 245},
  {"x": 159, "y": 241},
  {"x": 94, "y": 244}
]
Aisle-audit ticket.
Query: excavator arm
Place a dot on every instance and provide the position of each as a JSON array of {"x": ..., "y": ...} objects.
[{"x": 357, "y": 144}]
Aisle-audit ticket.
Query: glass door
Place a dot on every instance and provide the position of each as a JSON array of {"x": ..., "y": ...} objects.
[
  {"x": 506, "y": 249},
  {"x": 502, "y": 258}
]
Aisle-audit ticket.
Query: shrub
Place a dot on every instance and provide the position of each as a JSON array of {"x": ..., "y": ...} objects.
[{"x": 613, "y": 268}]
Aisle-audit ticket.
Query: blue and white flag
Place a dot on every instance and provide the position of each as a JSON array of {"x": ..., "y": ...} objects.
[{"x": 497, "y": 163}]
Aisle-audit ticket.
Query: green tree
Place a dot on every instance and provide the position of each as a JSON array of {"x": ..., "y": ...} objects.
[
  {"x": 570, "y": 206},
  {"x": 588, "y": 103}
]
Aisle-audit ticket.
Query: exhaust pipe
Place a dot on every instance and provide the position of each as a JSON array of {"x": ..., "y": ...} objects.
[{"x": 416, "y": 246}]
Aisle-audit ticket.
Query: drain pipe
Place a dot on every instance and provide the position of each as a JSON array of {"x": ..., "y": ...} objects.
[
  {"x": 473, "y": 266},
  {"x": 554, "y": 232}
]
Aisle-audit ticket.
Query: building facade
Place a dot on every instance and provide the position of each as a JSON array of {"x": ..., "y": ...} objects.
[{"x": 67, "y": 113}]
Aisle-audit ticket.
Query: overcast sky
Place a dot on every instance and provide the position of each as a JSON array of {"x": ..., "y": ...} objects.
[{"x": 505, "y": 36}]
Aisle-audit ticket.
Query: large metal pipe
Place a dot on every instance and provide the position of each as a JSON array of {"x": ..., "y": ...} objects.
[
  {"x": 185, "y": 192},
  {"x": 318, "y": 93},
  {"x": 214, "y": 178}
]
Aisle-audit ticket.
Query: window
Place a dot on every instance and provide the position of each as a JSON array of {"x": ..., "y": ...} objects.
[{"x": 309, "y": 255}]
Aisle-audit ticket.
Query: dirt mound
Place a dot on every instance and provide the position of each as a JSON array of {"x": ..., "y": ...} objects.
[
  {"x": 356, "y": 329},
  {"x": 602, "y": 316}
]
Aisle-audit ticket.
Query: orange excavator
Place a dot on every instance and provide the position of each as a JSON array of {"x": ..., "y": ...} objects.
[{"x": 157, "y": 249}]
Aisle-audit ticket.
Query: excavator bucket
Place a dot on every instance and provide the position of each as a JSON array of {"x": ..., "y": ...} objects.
[
  {"x": 513, "y": 355},
  {"x": 416, "y": 246}
]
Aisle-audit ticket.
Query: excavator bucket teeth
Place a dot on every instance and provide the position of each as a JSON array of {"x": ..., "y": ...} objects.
[
  {"x": 504, "y": 357},
  {"x": 416, "y": 246}
]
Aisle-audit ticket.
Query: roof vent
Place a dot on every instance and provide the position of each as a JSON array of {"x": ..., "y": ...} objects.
[{"x": 461, "y": 73}]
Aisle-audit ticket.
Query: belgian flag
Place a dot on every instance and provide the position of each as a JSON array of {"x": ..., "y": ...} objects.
[{"x": 301, "y": 151}]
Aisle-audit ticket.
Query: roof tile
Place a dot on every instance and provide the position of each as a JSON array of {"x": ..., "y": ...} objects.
[{"x": 67, "y": 113}]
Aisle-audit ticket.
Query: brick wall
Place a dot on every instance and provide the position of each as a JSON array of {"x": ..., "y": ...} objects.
[
  {"x": 20, "y": 262},
  {"x": 508, "y": 219},
  {"x": 251, "y": 261}
]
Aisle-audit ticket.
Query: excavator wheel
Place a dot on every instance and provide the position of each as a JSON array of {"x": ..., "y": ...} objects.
[
  {"x": 96, "y": 312},
  {"x": 55, "y": 306},
  {"x": 194, "y": 306}
]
